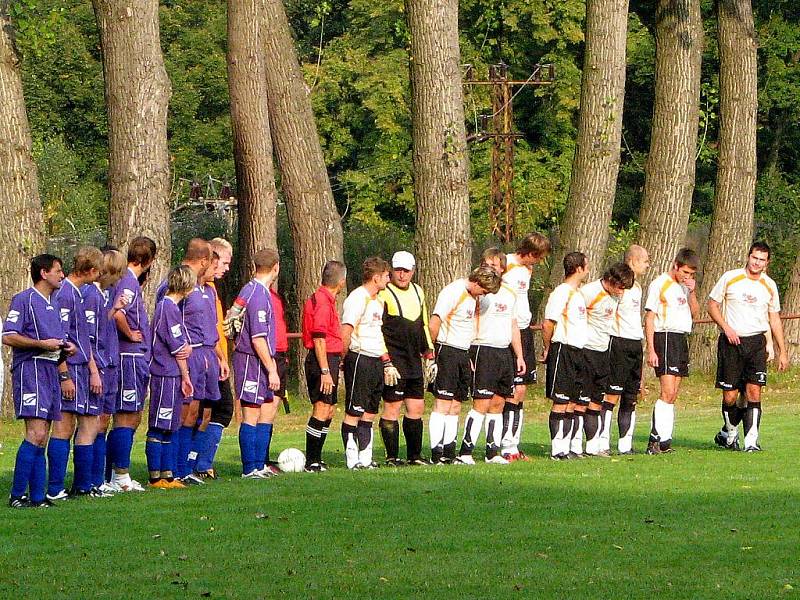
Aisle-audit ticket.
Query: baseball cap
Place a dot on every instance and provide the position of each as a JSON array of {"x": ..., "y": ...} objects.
[{"x": 403, "y": 260}]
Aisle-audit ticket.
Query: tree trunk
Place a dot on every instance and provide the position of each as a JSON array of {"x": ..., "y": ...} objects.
[
  {"x": 791, "y": 305},
  {"x": 21, "y": 222},
  {"x": 670, "y": 167},
  {"x": 252, "y": 146},
  {"x": 137, "y": 96},
  {"x": 734, "y": 204},
  {"x": 441, "y": 170},
  {"x": 594, "y": 170}
]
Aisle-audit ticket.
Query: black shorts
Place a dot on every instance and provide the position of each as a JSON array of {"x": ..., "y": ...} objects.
[
  {"x": 314, "y": 377},
  {"x": 745, "y": 363},
  {"x": 454, "y": 375},
  {"x": 363, "y": 384},
  {"x": 282, "y": 362},
  {"x": 595, "y": 381},
  {"x": 405, "y": 388},
  {"x": 672, "y": 350},
  {"x": 222, "y": 409},
  {"x": 565, "y": 371},
  {"x": 625, "y": 361},
  {"x": 529, "y": 354},
  {"x": 493, "y": 372}
]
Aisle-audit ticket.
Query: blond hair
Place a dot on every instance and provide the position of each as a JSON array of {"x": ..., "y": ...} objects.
[
  {"x": 181, "y": 280},
  {"x": 487, "y": 278},
  {"x": 86, "y": 259},
  {"x": 112, "y": 267}
]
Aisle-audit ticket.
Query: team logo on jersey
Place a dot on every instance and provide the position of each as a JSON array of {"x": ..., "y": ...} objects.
[
  {"x": 681, "y": 300},
  {"x": 165, "y": 414},
  {"x": 609, "y": 311},
  {"x": 470, "y": 313},
  {"x": 749, "y": 299},
  {"x": 90, "y": 317},
  {"x": 582, "y": 311},
  {"x": 28, "y": 399},
  {"x": 129, "y": 395},
  {"x": 500, "y": 307},
  {"x": 262, "y": 316},
  {"x": 176, "y": 331},
  {"x": 13, "y": 316},
  {"x": 522, "y": 286},
  {"x": 65, "y": 314},
  {"x": 250, "y": 387},
  {"x": 376, "y": 317}
]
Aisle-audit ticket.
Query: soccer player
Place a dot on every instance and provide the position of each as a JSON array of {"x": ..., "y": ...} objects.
[
  {"x": 496, "y": 357},
  {"x": 322, "y": 337},
  {"x": 255, "y": 372},
  {"x": 745, "y": 304},
  {"x": 81, "y": 385},
  {"x": 452, "y": 325},
  {"x": 98, "y": 299},
  {"x": 281, "y": 359},
  {"x": 221, "y": 411},
  {"x": 170, "y": 382},
  {"x": 133, "y": 328},
  {"x": 670, "y": 307},
  {"x": 407, "y": 337},
  {"x": 602, "y": 298},
  {"x": 367, "y": 364},
  {"x": 625, "y": 358},
  {"x": 33, "y": 329},
  {"x": 564, "y": 335},
  {"x": 531, "y": 250}
]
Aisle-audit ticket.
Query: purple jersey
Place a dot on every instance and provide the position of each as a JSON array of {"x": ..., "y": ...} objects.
[
  {"x": 109, "y": 338},
  {"x": 94, "y": 307},
  {"x": 135, "y": 314},
  {"x": 259, "y": 318},
  {"x": 36, "y": 317},
  {"x": 199, "y": 312},
  {"x": 168, "y": 338},
  {"x": 74, "y": 321}
]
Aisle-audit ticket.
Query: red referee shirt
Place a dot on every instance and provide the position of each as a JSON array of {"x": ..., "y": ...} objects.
[
  {"x": 321, "y": 319},
  {"x": 281, "y": 341}
]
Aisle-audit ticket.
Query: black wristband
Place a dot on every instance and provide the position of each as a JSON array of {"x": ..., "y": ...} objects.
[{"x": 63, "y": 376}]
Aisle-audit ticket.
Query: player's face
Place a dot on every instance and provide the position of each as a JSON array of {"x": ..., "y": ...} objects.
[
  {"x": 222, "y": 264},
  {"x": 531, "y": 259},
  {"x": 757, "y": 262},
  {"x": 381, "y": 280},
  {"x": 475, "y": 290},
  {"x": 640, "y": 264},
  {"x": 495, "y": 263},
  {"x": 583, "y": 271},
  {"x": 684, "y": 273},
  {"x": 402, "y": 277},
  {"x": 614, "y": 290},
  {"x": 54, "y": 276}
]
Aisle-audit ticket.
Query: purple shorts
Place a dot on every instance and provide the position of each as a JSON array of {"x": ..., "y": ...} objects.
[
  {"x": 204, "y": 373},
  {"x": 251, "y": 380},
  {"x": 166, "y": 399},
  {"x": 78, "y": 405},
  {"x": 134, "y": 373},
  {"x": 108, "y": 405},
  {"x": 37, "y": 392}
]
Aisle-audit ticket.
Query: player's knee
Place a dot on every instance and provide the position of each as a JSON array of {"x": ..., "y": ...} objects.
[
  {"x": 391, "y": 411},
  {"x": 37, "y": 437}
]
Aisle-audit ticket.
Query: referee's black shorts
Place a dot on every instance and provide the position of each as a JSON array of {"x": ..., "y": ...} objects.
[
  {"x": 529, "y": 354},
  {"x": 363, "y": 384},
  {"x": 672, "y": 350},
  {"x": 314, "y": 377},
  {"x": 740, "y": 364},
  {"x": 625, "y": 374},
  {"x": 282, "y": 364},
  {"x": 565, "y": 372}
]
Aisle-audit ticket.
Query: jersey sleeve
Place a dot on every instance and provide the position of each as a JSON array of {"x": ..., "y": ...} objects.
[
  {"x": 653, "y": 297},
  {"x": 171, "y": 330},
  {"x": 320, "y": 319},
  {"x": 555, "y": 306},
  {"x": 717, "y": 293},
  {"x": 125, "y": 290},
  {"x": 258, "y": 316},
  {"x": 774, "y": 300},
  {"x": 352, "y": 310},
  {"x": 17, "y": 316},
  {"x": 444, "y": 303},
  {"x": 92, "y": 309}
]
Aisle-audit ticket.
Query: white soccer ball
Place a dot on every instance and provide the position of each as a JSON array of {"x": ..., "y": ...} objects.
[{"x": 291, "y": 460}]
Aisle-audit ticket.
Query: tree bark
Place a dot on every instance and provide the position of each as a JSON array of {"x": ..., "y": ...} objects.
[
  {"x": 137, "y": 92},
  {"x": 791, "y": 305},
  {"x": 441, "y": 170},
  {"x": 252, "y": 146},
  {"x": 21, "y": 222},
  {"x": 670, "y": 167},
  {"x": 597, "y": 154},
  {"x": 734, "y": 204}
]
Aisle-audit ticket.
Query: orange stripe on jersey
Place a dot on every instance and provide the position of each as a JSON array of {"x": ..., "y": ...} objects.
[
  {"x": 449, "y": 317},
  {"x": 515, "y": 266},
  {"x": 766, "y": 285},
  {"x": 662, "y": 298},
  {"x": 565, "y": 312},
  {"x": 596, "y": 299}
]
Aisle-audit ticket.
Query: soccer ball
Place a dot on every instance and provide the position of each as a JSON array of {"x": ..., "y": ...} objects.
[{"x": 291, "y": 460}]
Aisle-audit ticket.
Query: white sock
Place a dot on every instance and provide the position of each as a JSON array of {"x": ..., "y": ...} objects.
[
  {"x": 557, "y": 443},
  {"x": 436, "y": 430},
  {"x": 351, "y": 450},
  {"x": 494, "y": 426},
  {"x": 625, "y": 442},
  {"x": 450, "y": 429},
  {"x": 365, "y": 455},
  {"x": 472, "y": 428},
  {"x": 751, "y": 435},
  {"x": 664, "y": 417},
  {"x": 576, "y": 444}
]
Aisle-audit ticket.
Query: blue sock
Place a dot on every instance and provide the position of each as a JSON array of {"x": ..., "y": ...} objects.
[
  {"x": 82, "y": 461},
  {"x": 120, "y": 444},
  {"x": 23, "y": 467},
  {"x": 184, "y": 444},
  {"x": 247, "y": 441},
  {"x": 269, "y": 441},
  {"x": 153, "y": 450},
  {"x": 262, "y": 438},
  {"x": 57, "y": 460},
  {"x": 205, "y": 459},
  {"x": 111, "y": 448},
  {"x": 98, "y": 459},
  {"x": 39, "y": 476},
  {"x": 167, "y": 453},
  {"x": 199, "y": 444}
]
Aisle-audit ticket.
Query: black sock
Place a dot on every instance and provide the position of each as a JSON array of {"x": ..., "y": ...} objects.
[
  {"x": 752, "y": 416},
  {"x": 313, "y": 440},
  {"x": 390, "y": 432},
  {"x": 491, "y": 449},
  {"x": 653, "y": 433},
  {"x": 624, "y": 417},
  {"x": 363, "y": 432},
  {"x": 555, "y": 420},
  {"x": 570, "y": 424},
  {"x": 348, "y": 430},
  {"x": 450, "y": 451},
  {"x": 508, "y": 419},
  {"x": 412, "y": 431},
  {"x": 591, "y": 421}
]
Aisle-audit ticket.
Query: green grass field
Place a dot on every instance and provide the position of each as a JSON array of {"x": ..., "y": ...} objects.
[{"x": 699, "y": 523}]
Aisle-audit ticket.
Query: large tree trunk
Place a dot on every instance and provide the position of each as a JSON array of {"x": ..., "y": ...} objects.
[
  {"x": 441, "y": 171},
  {"x": 791, "y": 305},
  {"x": 137, "y": 97},
  {"x": 252, "y": 146},
  {"x": 21, "y": 223},
  {"x": 670, "y": 168},
  {"x": 594, "y": 170},
  {"x": 734, "y": 204}
]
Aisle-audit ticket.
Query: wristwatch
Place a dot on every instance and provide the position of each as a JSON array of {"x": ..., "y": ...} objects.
[
  {"x": 62, "y": 377},
  {"x": 325, "y": 371}
]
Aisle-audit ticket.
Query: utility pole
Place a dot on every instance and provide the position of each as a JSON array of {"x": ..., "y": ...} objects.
[{"x": 498, "y": 127}]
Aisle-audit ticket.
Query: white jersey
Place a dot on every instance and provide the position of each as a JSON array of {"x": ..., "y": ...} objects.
[
  {"x": 746, "y": 303},
  {"x": 600, "y": 310},
  {"x": 518, "y": 278},
  {"x": 456, "y": 309},
  {"x": 669, "y": 301},
  {"x": 364, "y": 313},
  {"x": 567, "y": 309},
  {"x": 494, "y": 317},
  {"x": 628, "y": 318}
]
